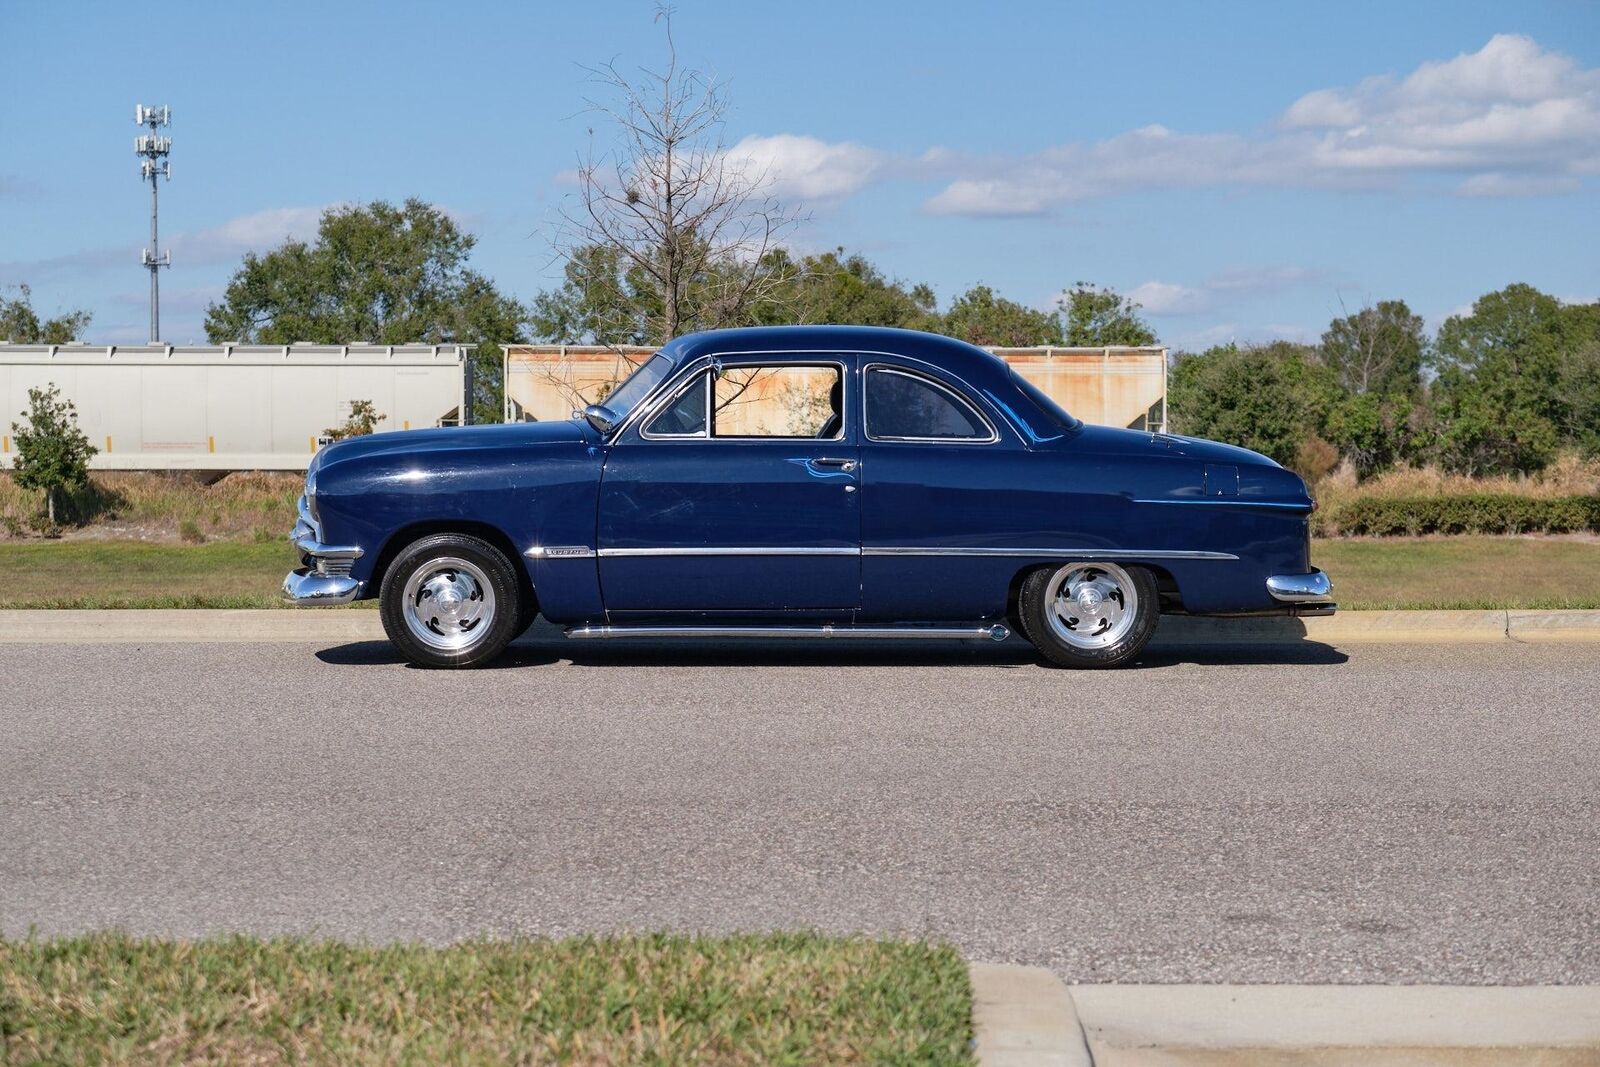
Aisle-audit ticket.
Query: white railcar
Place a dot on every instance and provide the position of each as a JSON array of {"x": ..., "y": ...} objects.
[{"x": 230, "y": 407}]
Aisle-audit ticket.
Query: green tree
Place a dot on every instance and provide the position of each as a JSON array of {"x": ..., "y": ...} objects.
[
  {"x": 980, "y": 317},
  {"x": 363, "y": 419},
  {"x": 1510, "y": 388},
  {"x": 1377, "y": 350},
  {"x": 1482, "y": 428},
  {"x": 52, "y": 452},
  {"x": 1578, "y": 381},
  {"x": 1097, "y": 317},
  {"x": 381, "y": 274},
  {"x": 21, "y": 325},
  {"x": 604, "y": 299},
  {"x": 847, "y": 289},
  {"x": 1372, "y": 431},
  {"x": 1270, "y": 398},
  {"x": 601, "y": 301}
]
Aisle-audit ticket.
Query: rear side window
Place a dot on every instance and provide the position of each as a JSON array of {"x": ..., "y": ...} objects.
[{"x": 908, "y": 407}]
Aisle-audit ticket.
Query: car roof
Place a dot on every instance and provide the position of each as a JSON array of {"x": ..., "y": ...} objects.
[{"x": 966, "y": 361}]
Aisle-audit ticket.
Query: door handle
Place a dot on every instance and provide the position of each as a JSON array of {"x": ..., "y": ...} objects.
[{"x": 831, "y": 461}]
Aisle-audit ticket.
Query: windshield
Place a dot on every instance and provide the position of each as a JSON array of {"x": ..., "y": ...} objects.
[
  {"x": 625, "y": 397},
  {"x": 1041, "y": 399}
]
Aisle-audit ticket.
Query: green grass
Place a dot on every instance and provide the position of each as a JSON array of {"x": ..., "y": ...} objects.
[
  {"x": 767, "y": 999},
  {"x": 1461, "y": 572},
  {"x": 131, "y": 574},
  {"x": 1399, "y": 572}
]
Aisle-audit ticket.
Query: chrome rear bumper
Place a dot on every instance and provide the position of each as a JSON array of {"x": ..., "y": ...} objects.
[
  {"x": 1304, "y": 591},
  {"x": 325, "y": 577}
]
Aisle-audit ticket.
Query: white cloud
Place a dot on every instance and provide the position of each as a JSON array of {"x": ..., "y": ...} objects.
[
  {"x": 1509, "y": 105},
  {"x": 1497, "y": 184},
  {"x": 1173, "y": 298},
  {"x": 225, "y": 243},
  {"x": 255, "y": 232},
  {"x": 808, "y": 169},
  {"x": 1510, "y": 119},
  {"x": 1167, "y": 298}
]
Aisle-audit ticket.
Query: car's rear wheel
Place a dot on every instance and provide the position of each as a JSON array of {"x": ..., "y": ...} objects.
[
  {"x": 1089, "y": 613},
  {"x": 450, "y": 600}
]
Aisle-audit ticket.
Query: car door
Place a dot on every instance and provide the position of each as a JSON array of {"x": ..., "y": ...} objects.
[
  {"x": 736, "y": 493},
  {"x": 939, "y": 496}
]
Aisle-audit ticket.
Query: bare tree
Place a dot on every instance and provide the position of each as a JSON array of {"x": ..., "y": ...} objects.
[
  {"x": 1378, "y": 349},
  {"x": 690, "y": 226}
]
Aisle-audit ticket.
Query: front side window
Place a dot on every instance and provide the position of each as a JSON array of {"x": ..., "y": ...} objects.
[
  {"x": 902, "y": 406},
  {"x": 778, "y": 401},
  {"x": 685, "y": 416}
]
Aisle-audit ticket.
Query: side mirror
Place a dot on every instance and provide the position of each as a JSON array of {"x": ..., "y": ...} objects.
[{"x": 601, "y": 417}]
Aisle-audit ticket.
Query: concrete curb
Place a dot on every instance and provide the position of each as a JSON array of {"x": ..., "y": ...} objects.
[
  {"x": 183, "y": 625},
  {"x": 312, "y": 626},
  {"x": 1386, "y": 627},
  {"x": 1553, "y": 625},
  {"x": 1328, "y": 1026},
  {"x": 1023, "y": 1017}
]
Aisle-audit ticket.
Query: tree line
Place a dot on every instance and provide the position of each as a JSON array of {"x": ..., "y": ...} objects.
[
  {"x": 1502, "y": 388},
  {"x": 669, "y": 232}
]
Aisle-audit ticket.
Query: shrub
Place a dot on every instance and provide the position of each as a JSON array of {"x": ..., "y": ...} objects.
[
  {"x": 364, "y": 419},
  {"x": 1315, "y": 459},
  {"x": 52, "y": 453},
  {"x": 189, "y": 532},
  {"x": 1471, "y": 513}
]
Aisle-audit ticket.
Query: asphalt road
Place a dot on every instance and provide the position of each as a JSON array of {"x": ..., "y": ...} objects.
[{"x": 1397, "y": 814}]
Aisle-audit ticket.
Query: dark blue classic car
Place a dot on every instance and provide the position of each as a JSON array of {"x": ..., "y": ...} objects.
[{"x": 804, "y": 482}]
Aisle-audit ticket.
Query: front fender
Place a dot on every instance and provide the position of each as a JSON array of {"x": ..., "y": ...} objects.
[{"x": 532, "y": 495}]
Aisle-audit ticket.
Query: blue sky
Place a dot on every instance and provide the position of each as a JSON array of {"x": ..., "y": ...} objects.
[{"x": 1245, "y": 169}]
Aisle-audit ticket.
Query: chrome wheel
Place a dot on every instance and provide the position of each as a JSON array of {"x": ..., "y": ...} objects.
[
  {"x": 448, "y": 604},
  {"x": 1092, "y": 605}
]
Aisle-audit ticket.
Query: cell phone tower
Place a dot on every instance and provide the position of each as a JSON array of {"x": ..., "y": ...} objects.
[{"x": 152, "y": 149}]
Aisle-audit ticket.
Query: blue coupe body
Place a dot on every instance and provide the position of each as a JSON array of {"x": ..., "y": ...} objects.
[{"x": 937, "y": 479}]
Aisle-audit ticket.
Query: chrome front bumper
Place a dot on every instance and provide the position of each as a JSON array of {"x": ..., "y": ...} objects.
[
  {"x": 1308, "y": 594},
  {"x": 325, "y": 577}
]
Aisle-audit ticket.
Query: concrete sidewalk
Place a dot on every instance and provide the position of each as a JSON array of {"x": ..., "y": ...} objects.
[
  {"x": 357, "y": 624},
  {"x": 1025, "y": 1017}
]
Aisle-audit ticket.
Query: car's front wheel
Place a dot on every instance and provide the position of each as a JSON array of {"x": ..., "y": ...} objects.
[
  {"x": 1089, "y": 614},
  {"x": 450, "y": 600}
]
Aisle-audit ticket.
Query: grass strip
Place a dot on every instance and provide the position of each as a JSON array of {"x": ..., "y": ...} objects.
[
  {"x": 1461, "y": 573},
  {"x": 1401, "y": 572},
  {"x": 745, "y": 999}
]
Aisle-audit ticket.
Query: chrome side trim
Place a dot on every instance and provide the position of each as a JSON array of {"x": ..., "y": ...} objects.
[
  {"x": 1231, "y": 502},
  {"x": 910, "y": 550},
  {"x": 1050, "y": 553},
  {"x": 732, "y": 551},
  {"x": 560, "y": 552},
  {"x": 1313, "y": 588},
  {"x": 987, "y": 632}
]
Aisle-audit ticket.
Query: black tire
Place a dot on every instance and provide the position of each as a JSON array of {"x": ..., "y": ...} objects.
[
  {"x": 1039, "y": 622},
  {"x": 501, "y": 603}
]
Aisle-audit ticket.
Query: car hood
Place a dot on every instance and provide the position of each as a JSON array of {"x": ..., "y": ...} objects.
[{"x": 453, "y": 438}]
